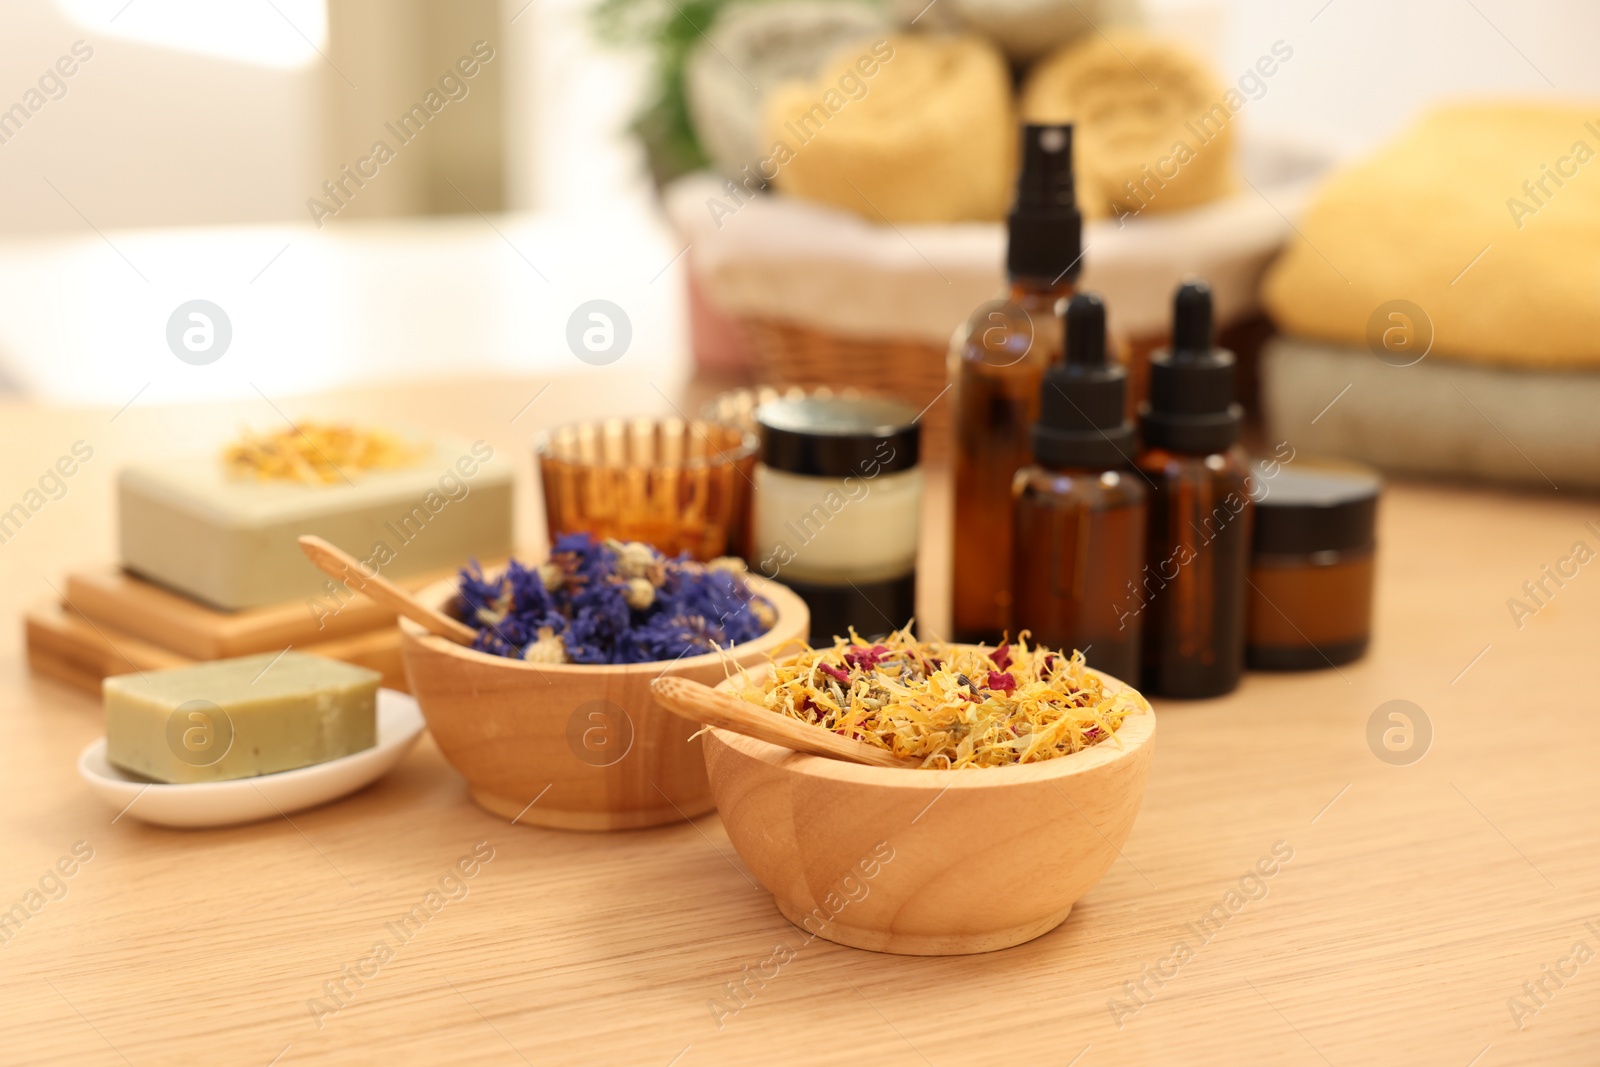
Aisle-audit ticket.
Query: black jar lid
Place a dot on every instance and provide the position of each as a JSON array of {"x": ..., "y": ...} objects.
[
  {"x": 1309, "y": 507},
  {"x": 834, "y": 437}
]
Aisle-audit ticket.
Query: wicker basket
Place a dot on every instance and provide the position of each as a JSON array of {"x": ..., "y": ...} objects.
[{"x": 912, "y": 371}]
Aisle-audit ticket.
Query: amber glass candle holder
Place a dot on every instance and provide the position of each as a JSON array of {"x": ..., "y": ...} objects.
[
  {"x": 677, "y": 485},
  {"x": 737, "y": 407}
]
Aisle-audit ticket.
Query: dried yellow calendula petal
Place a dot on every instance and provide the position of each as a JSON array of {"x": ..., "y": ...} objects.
[
  {"x": 318, "y": 453},
  {"x": 949, "y": 705}
]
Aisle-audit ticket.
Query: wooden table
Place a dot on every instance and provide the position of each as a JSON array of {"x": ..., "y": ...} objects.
[{"x": 1418, "y": 900}]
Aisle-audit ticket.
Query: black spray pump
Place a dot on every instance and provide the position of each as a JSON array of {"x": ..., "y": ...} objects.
[
  {"x": 1080, "y": 403},
  {"x": 1191, "y": 407},
  {"x": 1044, "y": 229}
]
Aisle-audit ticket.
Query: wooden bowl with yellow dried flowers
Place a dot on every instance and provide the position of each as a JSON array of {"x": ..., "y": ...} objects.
[
  {"x": 968, "y": 852},
  {"x": 577, "y": 745}
]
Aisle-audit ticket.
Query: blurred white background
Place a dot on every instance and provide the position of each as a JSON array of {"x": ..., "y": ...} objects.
[{"x": 179, "y": 160}]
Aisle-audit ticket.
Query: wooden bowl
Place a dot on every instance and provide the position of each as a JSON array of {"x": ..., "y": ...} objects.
[
  {"x": 926, "y": 862},
  {"x": 570, "y": 746}
]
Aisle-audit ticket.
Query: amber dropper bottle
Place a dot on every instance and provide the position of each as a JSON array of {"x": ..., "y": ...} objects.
[
  {"x": 997, "y": 374},
  {"x": 1197, "y": 545},
  {"x": 1079, "y": 511}
]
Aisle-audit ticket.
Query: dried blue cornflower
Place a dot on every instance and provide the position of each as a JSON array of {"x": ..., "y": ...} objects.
[{"x": 606, "y": 602}]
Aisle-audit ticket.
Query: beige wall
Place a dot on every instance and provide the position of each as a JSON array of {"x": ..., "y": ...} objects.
[
  {"x": 147, "y": 136},
  {"x": 398, "y": 51},
  {"x": 1363, "y": 69}
]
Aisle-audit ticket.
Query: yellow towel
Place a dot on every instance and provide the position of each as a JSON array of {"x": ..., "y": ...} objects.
[
  {"x": 912, "y": 129},
  {"x": 1153, "y": 127},
  {"x": 1486, "y": 216}
]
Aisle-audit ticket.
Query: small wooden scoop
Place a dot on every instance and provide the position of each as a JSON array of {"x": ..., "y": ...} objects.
[
  {"x": 341, "y": 566},
  {"x": 700, "y": 703}
]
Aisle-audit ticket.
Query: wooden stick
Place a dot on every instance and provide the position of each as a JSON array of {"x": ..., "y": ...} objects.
[
  {"x": 701, "y": 703},
  {"x": 341, "y": 566}
]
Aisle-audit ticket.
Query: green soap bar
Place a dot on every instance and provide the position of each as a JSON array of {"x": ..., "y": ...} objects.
[
  {"x": 238, "y": 718},
  {"x": 234, "y": 543}
]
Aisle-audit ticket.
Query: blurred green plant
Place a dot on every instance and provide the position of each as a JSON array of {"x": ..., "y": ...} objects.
[{"x": 669, "y": 30}]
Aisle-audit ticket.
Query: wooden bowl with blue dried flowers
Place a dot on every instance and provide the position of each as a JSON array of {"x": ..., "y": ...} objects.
[{"x": 549, "y": 716}]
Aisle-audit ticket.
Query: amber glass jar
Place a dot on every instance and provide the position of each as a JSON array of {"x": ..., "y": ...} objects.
[{"x": 1311, "y": 565}]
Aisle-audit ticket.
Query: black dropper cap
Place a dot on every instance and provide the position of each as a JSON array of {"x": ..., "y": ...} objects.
[
  {"x": 1080, "y": 403},
  {"x": 1191, "y": 407},
  {"x": 1044, "y": 230}
]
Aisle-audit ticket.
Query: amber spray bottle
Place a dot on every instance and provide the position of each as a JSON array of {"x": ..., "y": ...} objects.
[
  {"x": 1079, "y": 511},
  {"x": 1197, "y": 544},
  {"x": 997, "y": 374}
]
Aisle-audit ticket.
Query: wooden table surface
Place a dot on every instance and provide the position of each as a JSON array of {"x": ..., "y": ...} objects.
[{"x": 1415, "y": 903}]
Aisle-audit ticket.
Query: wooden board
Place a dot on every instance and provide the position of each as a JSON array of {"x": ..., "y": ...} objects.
[
  {"x": 377, "y": 650},
  {"x": 114, "y": 597},
  {"x": 70, "y": 648}
]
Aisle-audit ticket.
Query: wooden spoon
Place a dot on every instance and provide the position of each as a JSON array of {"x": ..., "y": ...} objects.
[
  {"x": 700, "y": 703},
  {"x": 341, "y": 566}
]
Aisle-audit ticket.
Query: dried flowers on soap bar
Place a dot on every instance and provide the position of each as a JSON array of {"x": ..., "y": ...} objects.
[
  {"x": 948, "y": 705},
  {"x": 317, "y": 453},
  {"x": 612, "y": 602}
]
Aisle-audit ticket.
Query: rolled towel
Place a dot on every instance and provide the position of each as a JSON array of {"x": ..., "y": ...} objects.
[
  {"x": 1485, "y": 218},
  {"x": 753, "y": 48},
  {"x": 1435, "y": 417},
  {"x": 915, "y": 129},
  {"x": 1153, "y": 126}
]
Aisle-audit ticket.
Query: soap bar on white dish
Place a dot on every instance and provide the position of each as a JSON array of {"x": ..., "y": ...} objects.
[
  {"x": 271, "y": 796},
  {"x": 233, "y": 542},
  {"x": 239, "y": 718}
]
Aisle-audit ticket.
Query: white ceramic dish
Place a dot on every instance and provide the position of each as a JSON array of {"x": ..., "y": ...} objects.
[{"x": 245, "y": 800}]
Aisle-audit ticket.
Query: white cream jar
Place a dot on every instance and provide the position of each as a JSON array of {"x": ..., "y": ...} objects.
[{"x": 838, "y": 508}]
